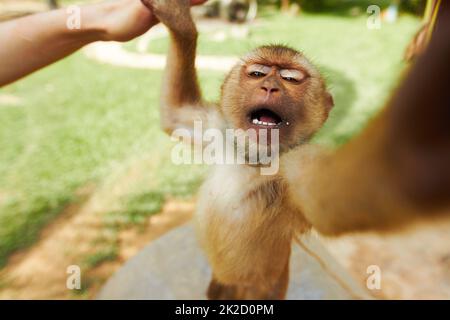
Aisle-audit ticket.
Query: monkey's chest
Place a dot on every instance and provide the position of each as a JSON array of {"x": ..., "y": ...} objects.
[
  {"x": 239, "y": 194},
  {"x": 237, "y": 204},
  {"x": 238, "y": 213}
]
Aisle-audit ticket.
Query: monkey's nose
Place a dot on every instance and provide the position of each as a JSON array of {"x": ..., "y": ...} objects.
[{"x": 270, "y": 89}]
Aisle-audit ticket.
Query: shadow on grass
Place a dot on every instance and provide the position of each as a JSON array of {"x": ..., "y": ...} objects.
[
  {"x": 344, "y": 95},
  {"x": 38, "y": 213},
  {"x": 136, "y": 209}
]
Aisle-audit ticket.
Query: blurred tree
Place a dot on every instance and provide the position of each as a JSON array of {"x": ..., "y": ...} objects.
[
  {"x": 312, "y": 5},
  {"x": 53, "y": 4},
  {"x": 285, "y": 5},
  {"x": 413, "y": 6},
  {"x": 343, "y": 6}
]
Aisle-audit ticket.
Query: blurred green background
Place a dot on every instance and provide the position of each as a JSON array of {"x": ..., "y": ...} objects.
[{"x": 79, "y": 122}]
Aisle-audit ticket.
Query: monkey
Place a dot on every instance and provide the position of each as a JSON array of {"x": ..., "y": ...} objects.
[
  {"x": 394, "y": 173},
  {"x": 245, "y": 221}
]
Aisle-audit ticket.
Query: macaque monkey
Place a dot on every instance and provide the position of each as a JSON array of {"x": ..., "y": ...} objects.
[
  {"x": 395, "y": 172},
  {"x": 245, "y": 220}
]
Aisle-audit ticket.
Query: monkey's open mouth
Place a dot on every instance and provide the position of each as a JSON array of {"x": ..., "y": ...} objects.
[{"x": 265, "y": 117}]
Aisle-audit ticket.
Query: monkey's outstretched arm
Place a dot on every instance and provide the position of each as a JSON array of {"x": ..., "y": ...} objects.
[
  {"x": 181, "y": 100},
  {"x": 180, "y": 86},
  {"x": 395, "y": 172}
]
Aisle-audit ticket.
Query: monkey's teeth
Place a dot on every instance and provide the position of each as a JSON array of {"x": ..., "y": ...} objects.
[
  {"x": 256, "y": 121},
  {"x": 263, "y": 123}
]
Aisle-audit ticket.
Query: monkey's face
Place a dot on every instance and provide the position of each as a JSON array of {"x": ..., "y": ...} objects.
[{"x": 276, "y": 88}]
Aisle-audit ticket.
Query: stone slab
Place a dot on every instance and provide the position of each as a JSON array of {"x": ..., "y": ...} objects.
[{"x": 174, "y": 267}]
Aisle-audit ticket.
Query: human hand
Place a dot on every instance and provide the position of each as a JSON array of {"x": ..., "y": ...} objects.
[
  {"x": 175, "y": 14},
  {"x": 123, "y": 20}
]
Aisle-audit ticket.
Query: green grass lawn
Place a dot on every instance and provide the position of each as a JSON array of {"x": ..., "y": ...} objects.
[
  {"x": 361, "y": 65},
  {"x": 75, "y": 122}
]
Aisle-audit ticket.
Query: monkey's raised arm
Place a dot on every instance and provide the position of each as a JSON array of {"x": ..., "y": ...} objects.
[
  {"x": 181, "y": 100},
  {"x": 398, "y": 170}
]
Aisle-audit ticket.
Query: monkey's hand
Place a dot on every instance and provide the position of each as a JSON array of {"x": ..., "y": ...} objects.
[{"x": 175, "y": 14}]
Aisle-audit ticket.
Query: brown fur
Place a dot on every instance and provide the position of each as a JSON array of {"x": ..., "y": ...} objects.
[
  {"x": 247, "y": 229},
  {"x": 307, "y": 103},
  {"x": 246, "y": 221},
  {"x": 396, "y": 172}
]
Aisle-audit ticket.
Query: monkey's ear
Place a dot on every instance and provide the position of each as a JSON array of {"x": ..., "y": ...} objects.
[{"x": 329, "y": 101}]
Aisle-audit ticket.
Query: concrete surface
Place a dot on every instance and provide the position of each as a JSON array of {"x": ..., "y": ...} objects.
[{"x": 174, "y": 267}]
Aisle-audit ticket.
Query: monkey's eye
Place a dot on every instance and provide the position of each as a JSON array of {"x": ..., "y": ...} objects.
[
  {"x": 258, "y": 70},
  {"x": 290, "y": 79},
  {"x": 292, "y": 75},
  {"x": 256, "y": 74}
]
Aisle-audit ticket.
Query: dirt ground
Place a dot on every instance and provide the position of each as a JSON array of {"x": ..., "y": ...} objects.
[
  {"x": 414, "y": 264},
  {"x": 40, "y": 271},
  {"x": 81, "y": 234}
]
